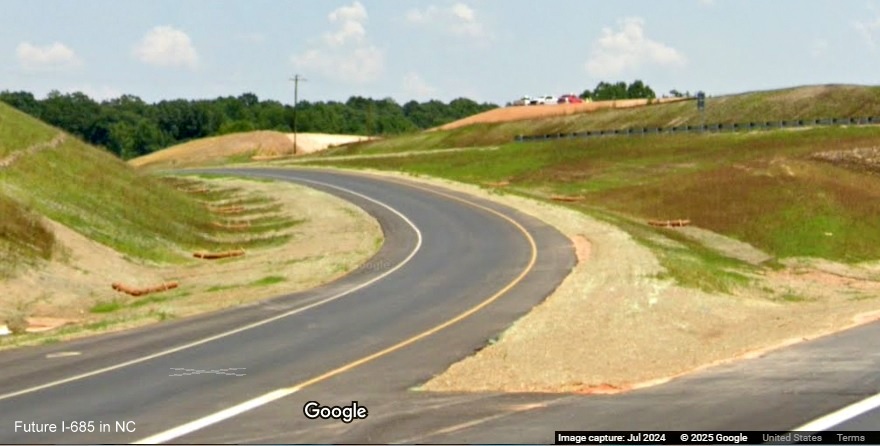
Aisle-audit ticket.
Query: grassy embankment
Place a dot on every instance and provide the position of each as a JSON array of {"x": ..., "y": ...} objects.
[
  {"x": 151, "y": 220},
  {"x": 795, "y": 103},
  {"x": 46, "y": 174},
  {"x": 764, "y": 188}
]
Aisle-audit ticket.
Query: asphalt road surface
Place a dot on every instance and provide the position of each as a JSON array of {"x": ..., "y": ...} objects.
[{"x": 453, "y": 273}]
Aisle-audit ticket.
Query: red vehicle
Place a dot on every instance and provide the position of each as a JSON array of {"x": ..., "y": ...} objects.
[{"x": 569, "y": 99}]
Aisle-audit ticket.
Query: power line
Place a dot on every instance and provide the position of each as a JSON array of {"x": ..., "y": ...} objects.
[{"x": 296, "y": 80}]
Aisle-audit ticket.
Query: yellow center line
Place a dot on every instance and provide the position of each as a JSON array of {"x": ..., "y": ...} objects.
[
  {"x": 464, "y": 315},
  {"x": 280, "y": 393}
]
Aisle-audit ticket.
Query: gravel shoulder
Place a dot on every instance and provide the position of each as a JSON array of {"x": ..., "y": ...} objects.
[
  {"x": 334, "y": 238},
  {"x": 612, "y": 325}
]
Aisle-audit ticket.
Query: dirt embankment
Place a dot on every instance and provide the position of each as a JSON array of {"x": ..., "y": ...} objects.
[
  {"x": 525, "y": 112},
  {"x": 861, "y": 159},
  {"x": 315, "y": 142},
  {"x": 216, "y": 149},
  {"x": 334, "y": 238},
  {"x": 244, "y": 146},
  {"x": 613, "y": 325}
]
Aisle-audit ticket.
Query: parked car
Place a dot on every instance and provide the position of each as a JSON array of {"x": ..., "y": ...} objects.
[
  {"x": 547, "y": 99},
  {"x": 525, "y": 100},
  {"x": 570, "y": 99}
]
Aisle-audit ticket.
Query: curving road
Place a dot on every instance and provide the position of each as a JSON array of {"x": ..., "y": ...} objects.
[{"x": 453, "y": 273}]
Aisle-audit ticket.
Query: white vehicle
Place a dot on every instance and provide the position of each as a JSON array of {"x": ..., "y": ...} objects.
[
  {"x": 546, "y": 100},
  {"x": 525, "y": 100}
]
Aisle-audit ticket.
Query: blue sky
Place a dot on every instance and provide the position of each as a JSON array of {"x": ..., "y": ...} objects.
[{"x": 487, "y": 50}]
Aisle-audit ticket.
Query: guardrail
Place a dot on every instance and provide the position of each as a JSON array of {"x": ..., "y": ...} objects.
[{"x": 705, "y": 128}]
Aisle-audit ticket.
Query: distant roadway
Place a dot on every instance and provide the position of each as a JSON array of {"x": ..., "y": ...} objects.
[{"x": 454, "y": 272}]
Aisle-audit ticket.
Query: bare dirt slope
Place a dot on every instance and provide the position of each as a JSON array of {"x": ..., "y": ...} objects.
[
  {"x": 218, "y": 148},
  {"x": 314, "y": 142},
  {"x": 334, "y": 238},
  {"x": 520, "y": 113},
  {"x": 613, "y": 324},
  {"x": 261, "y": 144}
]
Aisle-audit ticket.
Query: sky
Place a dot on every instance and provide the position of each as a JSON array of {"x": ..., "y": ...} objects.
[{"x": 486, "y": 50}]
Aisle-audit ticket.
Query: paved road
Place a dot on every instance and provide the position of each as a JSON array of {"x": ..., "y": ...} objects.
[
  {"x": 442, "y": 257},
  {"x": 465, "y": 256}
]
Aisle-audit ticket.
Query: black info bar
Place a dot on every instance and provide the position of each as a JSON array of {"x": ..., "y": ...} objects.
[{"x": 714, "y": 438}]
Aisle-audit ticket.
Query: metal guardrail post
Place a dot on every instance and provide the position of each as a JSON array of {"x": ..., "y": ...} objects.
[{"x": 702, "y": 128}]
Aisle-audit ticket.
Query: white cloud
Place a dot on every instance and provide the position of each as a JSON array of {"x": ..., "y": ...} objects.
[
  {"x": 354, "y": 13},
  {"x": 459, "y": 19},
  {"x": 53, "y": 56},
  {"x": 351, "y": 24},
  {"x": 463, "y": 12},
  {"x": 417, "y": 17},
  {"x": 628, "y": 48},
  {"x": 359, "y": 65},
  {"x": 416, "y": 87},
  {"x": 707, "y": 2},
  {"x": 164, "y": 46},
  {"x": 349, "y": 31},
  {"x": 345, "y": 53}
]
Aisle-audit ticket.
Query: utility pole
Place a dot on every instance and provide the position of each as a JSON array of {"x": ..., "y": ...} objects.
[
  {"x": 370, "y": 119},
  {"x": 701, "y": 105},
  {"x": 296, "y": 80}
]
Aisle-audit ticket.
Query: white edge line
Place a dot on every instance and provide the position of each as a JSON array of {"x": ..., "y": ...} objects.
[
  {"x": 255, "y": 324},
  {"x": 208, "y": 420},
  {"x": 216, "y": 417},
  {"x": 839, "y": 416},
  {"x": 821, "y": 424}
]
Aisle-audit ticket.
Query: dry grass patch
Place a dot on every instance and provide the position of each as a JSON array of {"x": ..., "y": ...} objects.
[
  {"x": 616, "y": 323},
  {"x": 330, "y": 232},
  {"x": 218, "y": 149}
]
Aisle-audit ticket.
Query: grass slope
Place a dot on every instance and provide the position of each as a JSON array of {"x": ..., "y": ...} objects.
[
  {"x": 813, "y": 102},
  {"x": 764, "y": 188},
  {"x": 92, "y": 192},
  {"x": 23, "y": 237},
  {"x": 18, "y": 131}
]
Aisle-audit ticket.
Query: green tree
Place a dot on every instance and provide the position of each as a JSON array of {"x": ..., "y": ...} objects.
[
  {"x": 606, "y": 91},
  {"x": 638, "y": 90},
  {"x": 23, "y": 101},
  {"x": 235, "y": 127},
  {"x": 129, "y": 127}
]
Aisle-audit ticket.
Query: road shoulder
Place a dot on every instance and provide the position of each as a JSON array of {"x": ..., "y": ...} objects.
[
  {"x": 331, "y": 238},
  {"x": 614, "y": 324}
]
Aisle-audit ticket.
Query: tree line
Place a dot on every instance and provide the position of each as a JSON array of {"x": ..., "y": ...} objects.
[
  {"x": 606, "y": 91},
  {"x": 130, "y": 127}
]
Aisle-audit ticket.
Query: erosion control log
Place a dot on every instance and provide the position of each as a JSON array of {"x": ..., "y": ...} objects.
[
  {"x": 566, "y": 199},
  {"x": 142, "y": 291},
  {"x": 218, "y": 255},
  {"x": 669, "y": 223}
]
